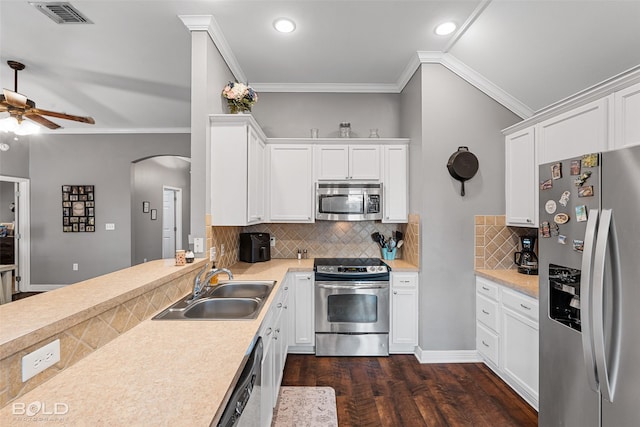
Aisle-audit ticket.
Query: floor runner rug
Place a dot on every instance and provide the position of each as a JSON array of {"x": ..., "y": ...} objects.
[{"x": 306, "y": 406}]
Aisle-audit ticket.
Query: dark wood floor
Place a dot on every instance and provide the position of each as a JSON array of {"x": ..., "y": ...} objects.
[{"x": 399, "y": 391}]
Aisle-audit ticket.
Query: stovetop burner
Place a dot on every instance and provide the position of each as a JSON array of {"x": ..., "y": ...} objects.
[{"x": 349, "y": 262}]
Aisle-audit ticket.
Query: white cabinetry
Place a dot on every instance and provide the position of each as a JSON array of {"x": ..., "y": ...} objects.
[
  {"x": 507, "y": 336},
  {"x": 520, "y": 341},
  {"x": 274, "y": 339},
  {"x": 302, "y": 339},
  {"x": 237, "y": 170},
  {"x": 582, "y": 130},
  {"x": 345, "y": 162},
  {"x": 290, "y": 177},
  {"x": 521, "y": 179},
  {"x": 404, "y": 313},
  {"x": 627, "y": 116},
  {"x": 395, "y": 184}
]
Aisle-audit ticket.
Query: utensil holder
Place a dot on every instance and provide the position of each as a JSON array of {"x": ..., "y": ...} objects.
[{"x": 389, "y": 254}]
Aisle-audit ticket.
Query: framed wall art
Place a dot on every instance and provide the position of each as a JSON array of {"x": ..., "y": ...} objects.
[{"x": 78, "y": 208}]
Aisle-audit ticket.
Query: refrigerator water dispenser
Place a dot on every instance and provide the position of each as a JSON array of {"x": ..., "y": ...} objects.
[{"x": 564, "y": 292}]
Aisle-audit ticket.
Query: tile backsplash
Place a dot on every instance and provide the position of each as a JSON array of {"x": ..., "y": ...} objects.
[
  {"x": 496, "y": 242},
  {"x": 320, "y": 239}
]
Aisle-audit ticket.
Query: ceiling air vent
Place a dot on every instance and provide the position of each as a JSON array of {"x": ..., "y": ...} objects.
[{"x": 62, "y": 13}]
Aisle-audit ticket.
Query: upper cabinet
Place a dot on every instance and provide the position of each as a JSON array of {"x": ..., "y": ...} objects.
[
  {"x": 347, "y": 162},
  {"x": 237, "y": 170},
  {"x": 582, "y": 130},
  {"x": 290, "y": 181},
  {"x": 395, "y": 192},
  {"x": 627, "y": 116},
  {"x": 521, "y": 179}
]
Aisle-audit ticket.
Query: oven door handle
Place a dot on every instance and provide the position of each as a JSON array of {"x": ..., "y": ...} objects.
[{"x": 352, "y": 286}]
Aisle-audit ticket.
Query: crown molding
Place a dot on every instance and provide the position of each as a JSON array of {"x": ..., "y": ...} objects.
[
  {"x": 210, "y": 25},
  {"x": 327, "y": 87},
  {"x": 605, "y": 88},
  {"x": 95, "y": 131}
]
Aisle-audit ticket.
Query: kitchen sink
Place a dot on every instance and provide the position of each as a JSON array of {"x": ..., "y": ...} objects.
[
  {"x": 230, "y": 300},
  {"x": 223, "y": 308},
  {"x": 243, "y": 289}
]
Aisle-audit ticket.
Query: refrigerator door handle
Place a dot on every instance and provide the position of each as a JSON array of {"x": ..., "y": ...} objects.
[
  {"x": 607, "y": 369},
  {"x": 586, "y": 310}
]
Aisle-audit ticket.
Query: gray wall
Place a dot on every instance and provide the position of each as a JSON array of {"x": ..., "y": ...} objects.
[
  {"x": 292, "y": 115},
  {"x": 100, "y": 160},
  {"x": 15, "y": 162},
  {"x": 149, "y": 177},
  {"x": 209, "y": 74},
  {"x": 454, "y": 113}
]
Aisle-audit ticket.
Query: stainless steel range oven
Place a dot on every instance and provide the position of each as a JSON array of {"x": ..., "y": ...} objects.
[{"x": 351, "y": 307}]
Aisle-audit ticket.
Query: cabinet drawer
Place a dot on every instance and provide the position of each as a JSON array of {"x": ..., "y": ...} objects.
[
  {"x": 487, "y": 312},
  {"x": 487, "y": 344},
  {"x": 486, "y": 288},
  {"x": 404, "y": 280},
  {"x": 519, "y": 303}
]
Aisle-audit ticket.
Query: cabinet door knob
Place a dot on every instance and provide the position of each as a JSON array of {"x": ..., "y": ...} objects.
[
  {"x": 395, "y": 292},
  {"x": 269, "y": 330},
  {"x": 279, "y": 305}
]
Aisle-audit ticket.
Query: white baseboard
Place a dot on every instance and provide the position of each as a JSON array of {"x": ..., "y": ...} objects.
[
  {"x": 42, "y": 287},
  {"x": 447, "y": 356}
]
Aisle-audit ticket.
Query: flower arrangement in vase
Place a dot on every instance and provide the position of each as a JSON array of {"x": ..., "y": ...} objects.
[{"x": 240, "y": 97}]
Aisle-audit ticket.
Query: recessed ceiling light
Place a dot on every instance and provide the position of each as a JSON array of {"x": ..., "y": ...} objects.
[
  {"x": 284, "y": 25},
  {"x": 445, "y": 28}
]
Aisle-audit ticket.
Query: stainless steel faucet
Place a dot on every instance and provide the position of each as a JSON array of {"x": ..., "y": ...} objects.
[{"x": 199, "y": 285}]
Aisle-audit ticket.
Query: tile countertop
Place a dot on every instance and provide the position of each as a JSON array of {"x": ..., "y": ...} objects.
[
  {"x": 520, "y": 282},
  {"x": 159, "y": 372}
]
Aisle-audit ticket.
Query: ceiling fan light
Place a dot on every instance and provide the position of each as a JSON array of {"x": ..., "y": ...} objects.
[
  {"x": 11, "y": 124},
  {"x": 446, "y": 28},
  {"x": 284, "y": 25}
]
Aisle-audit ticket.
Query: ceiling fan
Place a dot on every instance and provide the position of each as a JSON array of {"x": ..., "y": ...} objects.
[{"x": 20, "y": 108}]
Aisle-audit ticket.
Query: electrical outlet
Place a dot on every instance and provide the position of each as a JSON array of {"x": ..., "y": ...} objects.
[
  {"x": 110, "y": 226},
  {"x": 39, "y": 360},
  {"x": 272, "y": 241},
  {"x": 212, "y": 253},
  {"x": 221, "y": 250},
  {"x": 75, "y": 266}
]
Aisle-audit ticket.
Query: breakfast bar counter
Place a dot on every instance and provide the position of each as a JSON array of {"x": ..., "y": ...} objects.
[{"x": 157, "y": 373}]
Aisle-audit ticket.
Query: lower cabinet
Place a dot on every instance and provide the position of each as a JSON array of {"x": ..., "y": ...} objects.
[
  {"x": 507, "y": 336},
  {"x": 274, "y": 333},
  {"x": 303, "y": 334},
  {"x": 403, "y": 336}
]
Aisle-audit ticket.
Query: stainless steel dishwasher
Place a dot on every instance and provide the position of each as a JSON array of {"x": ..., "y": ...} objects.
[{"x": 243, "y": 408}]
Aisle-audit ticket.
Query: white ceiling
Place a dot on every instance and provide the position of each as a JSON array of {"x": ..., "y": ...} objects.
[{"x": 131, "y": 68}]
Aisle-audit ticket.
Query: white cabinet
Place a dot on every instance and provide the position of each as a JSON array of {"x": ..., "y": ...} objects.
[
  {"x": 404, "y": 313},
  {"x": 395, "y": 184},
  {"x": 255, "y": 199},
  {"x": 507, "y": 336},
  {"x": 520, "y": 341},
  {"x": 627, "y": 116},
  {"x": 521, "y": 179},
  {"x": 487, "y": 322},
  {"x": 302, "y": 339},
  {"x": 290, "y": 178},
  {"x": 584, "y": 129},
  {"x": 237, "y": 170},
  {"x": 345, "y": 162},
  {"x": 274, "y": 339}
]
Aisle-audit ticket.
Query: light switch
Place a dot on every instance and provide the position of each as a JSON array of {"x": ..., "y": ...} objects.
[{"x": 198, "y": 245}]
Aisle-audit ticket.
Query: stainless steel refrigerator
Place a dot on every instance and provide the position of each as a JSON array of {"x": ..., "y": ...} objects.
[{"x": 589, "y": 270}]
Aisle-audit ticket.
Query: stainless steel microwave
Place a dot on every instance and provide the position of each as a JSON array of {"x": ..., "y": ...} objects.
[{"x": 341, "y": 201}]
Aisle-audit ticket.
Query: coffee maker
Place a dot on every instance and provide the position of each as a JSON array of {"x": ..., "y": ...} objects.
[{"x": 526, "y": 260}]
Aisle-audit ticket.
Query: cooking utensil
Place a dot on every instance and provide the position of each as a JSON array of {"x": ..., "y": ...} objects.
[
  {"x": 400, "y": 243},
  {"x": 378, "y": 238},
  {"x": 462, "y": 166}
]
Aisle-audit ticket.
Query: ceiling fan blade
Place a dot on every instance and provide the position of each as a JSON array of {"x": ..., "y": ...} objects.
[
  {"x": 14, "y": 99},
  {"x": 41, "y": 120},
  {"x": 88, "y": 120}
]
